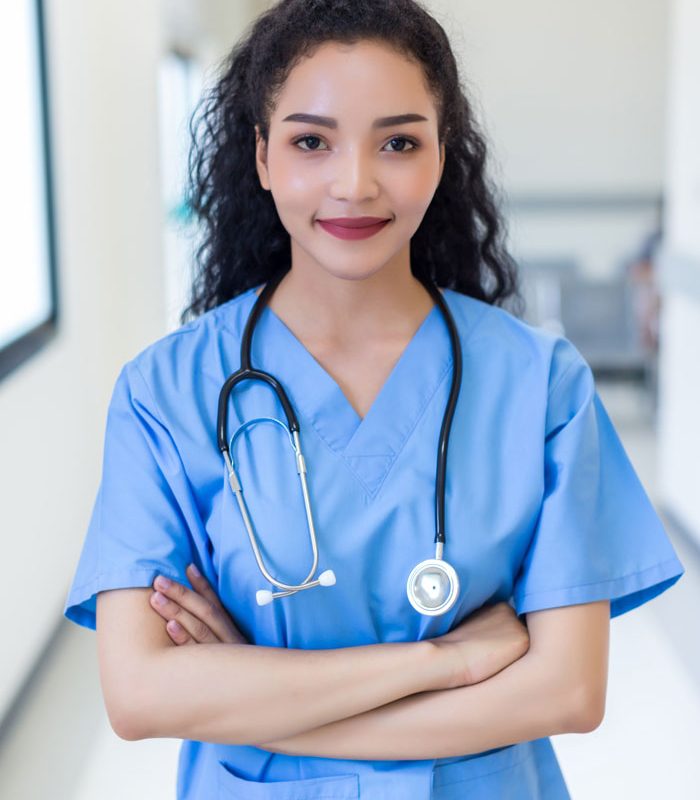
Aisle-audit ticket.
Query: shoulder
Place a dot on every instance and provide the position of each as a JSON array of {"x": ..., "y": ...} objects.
[
  {"x": 194, "y": 351},
  {"x": 513, "y": 345}
]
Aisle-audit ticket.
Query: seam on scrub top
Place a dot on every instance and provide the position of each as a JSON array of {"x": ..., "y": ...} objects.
[
  {"x": 357, "y": 477},
  {"x": 177, "y": 456},
  {"x": 118, "y": 571},
  {"x": 153, "y": 399},
  {"x": 609, "y": 580},
  {"x": 559, "y": 380},
  {"x": 419, "y": 416},
  {"x": 99, "y": 521},
  {"x": 525, "y": 756}
]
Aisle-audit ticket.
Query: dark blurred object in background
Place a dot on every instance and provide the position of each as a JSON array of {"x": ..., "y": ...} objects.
[{"x": 612, "y": 320}]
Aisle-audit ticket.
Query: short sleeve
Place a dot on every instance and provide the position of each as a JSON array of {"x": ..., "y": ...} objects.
[
  {"x": 137, "y": 529},
  {"x": 597, "y": 535}
]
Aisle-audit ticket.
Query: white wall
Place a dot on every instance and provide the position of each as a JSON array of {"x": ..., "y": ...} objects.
[
  {"x": 572, "y": 96},
  {"x": 567, "y": 88},
  {"x": 52, "y": 409},
  {"x": 679, "y": 421},
  {"x": 103, "y": 66}
]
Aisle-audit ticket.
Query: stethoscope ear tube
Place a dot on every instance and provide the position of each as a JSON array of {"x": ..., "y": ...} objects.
[
  {"x": 246, "y": 372},
  {"x": 327, "y": 578},
  {"x": 250, "y": 375}
]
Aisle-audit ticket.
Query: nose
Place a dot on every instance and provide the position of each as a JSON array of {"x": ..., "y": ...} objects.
[{"x": 353, "y": 176}]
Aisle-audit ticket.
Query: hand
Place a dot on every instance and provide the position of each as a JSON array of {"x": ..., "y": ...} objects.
[
  {"x": 194, "y": 617},
  {"x": 486, "y": 642}
]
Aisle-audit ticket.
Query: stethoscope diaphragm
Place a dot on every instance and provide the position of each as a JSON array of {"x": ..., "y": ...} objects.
[{"x": 432, "y": 587}]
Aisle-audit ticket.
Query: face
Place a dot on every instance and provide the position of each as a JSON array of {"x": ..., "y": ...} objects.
[{"x": 346, "y": 162}]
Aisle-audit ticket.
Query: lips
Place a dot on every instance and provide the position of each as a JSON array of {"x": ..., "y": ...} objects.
[
  {"x": 359, "y": 227},
  {"x": 354, "y": 222}
]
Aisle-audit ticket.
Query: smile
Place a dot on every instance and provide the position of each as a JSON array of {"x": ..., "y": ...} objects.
[{"x": 343, "y": 232}]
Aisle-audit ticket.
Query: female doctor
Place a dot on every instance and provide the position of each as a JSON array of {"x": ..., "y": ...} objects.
[{"x": 438, "y": 479}]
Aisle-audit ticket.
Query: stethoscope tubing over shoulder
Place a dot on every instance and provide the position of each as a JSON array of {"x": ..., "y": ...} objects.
[
  {"x": 432, "y": 586},
  {"x": 247, "y": 373}
]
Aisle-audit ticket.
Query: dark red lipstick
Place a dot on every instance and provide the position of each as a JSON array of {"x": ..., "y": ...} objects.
[{"x": 353, "y": 227}]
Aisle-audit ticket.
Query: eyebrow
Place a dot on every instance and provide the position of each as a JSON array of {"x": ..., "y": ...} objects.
[{"x": 382, "y": 122}]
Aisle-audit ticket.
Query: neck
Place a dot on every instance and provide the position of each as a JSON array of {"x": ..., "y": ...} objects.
[{"x": 322, "y": 306}]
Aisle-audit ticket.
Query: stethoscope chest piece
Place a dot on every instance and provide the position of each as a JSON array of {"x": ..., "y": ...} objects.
[{"x": 432, "y": 587}]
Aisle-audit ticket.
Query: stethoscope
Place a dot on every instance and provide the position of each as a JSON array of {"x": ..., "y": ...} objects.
[{"x": 433, "y": 585}]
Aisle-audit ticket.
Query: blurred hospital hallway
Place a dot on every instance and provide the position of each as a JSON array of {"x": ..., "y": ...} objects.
[{"x": 591, "y": 113}]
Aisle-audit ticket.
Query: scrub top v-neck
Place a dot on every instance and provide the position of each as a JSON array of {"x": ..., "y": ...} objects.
[
  {"x": 542, "y": 509},
  {"x": 368, "y": 445}
]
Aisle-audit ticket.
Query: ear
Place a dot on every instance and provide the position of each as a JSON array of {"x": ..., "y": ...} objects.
[
  {"x": 442, "y": 160},
  {"x": 261, "y": 159}
]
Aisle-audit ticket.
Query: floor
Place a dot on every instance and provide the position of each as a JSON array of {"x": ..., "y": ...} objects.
[{"x": 646, "y": 747}]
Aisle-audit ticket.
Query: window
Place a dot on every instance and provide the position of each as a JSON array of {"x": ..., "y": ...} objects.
[{"x": 28, "y": 295}]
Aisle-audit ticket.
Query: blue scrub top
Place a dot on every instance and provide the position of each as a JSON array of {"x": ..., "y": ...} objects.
[{"x": 543, "y": 509}]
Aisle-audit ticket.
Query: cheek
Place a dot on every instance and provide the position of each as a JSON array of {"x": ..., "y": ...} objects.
[
  {"x": 297, "y": 183},
  {"x": 414, "y": 189},
  {"x": 290, "y": 181},
  {"x": 295, "y": 193}
]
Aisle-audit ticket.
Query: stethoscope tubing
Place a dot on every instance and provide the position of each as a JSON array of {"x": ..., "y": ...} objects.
[{"x": 443, "y": 441}]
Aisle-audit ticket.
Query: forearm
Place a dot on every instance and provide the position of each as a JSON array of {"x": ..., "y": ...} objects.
[
  {"x": 248, "y": 694},
  {"x": 520, "y": 703}
]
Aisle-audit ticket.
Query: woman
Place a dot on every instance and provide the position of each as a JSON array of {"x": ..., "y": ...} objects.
[{"x": 347, "y": 689}]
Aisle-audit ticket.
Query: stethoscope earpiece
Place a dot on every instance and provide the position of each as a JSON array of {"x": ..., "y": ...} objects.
[
  {"x": 265, "y": 596},
  {"x": 327, "y": 578}
]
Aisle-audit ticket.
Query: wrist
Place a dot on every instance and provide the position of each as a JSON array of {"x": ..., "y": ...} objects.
[{"x": 438, "y": 671}]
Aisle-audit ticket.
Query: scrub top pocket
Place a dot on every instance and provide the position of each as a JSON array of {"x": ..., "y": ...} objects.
[
  {"x": 337, "y": 787},
  {"x": 509, "y": 773}
]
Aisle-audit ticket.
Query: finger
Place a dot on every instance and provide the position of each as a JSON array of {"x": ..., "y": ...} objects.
[
  {"x": 194, "y": 626},
  {"x": 210, "y": 611},
  {"x": 210, "y": 614},
  {"x": 177, "y": 633},
  {"x": 202, "y": 585}
]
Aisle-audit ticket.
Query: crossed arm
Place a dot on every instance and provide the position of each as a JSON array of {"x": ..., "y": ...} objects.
[
  {"x": 376, "y": 702},
  {"x": 558, "y": 686}
]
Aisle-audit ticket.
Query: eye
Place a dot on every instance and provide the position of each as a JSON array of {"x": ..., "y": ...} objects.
[
  {"x": 306, "y": 139},
  {"x": 414, "y": 144},
  {"x": 312, "y": 138}
]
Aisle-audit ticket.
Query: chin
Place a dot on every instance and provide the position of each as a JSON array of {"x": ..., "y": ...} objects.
[
  {"x": 353, "y": 272},
  {"x": 341, "y": 265},
  {"x": 355, "y": 267}
]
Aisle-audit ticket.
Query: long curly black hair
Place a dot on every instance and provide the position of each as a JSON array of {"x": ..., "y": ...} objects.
[{"x": 460, "y": 241}]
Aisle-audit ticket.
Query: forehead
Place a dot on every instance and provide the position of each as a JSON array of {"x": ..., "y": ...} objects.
[{"x": 354, "y": 81}]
